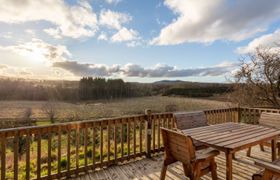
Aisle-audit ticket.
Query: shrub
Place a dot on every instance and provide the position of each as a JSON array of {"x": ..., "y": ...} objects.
[
  {"x": 89, "y": 153},
  {"x": 63, "y": 163},
  {"x": 171, "y": 108}
]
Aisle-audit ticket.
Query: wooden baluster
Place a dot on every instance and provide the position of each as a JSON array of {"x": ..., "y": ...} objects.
[
  {"x": 77, "y": 144},
  {"x": 128, "y": 137},
  {"x": 158, "y": 132},
  {"x": 49, "y": 152},
  {"x": 173, "y": 121},
  {"x": 93, "y": 146},
  {"x": 148, "y": 130},
  {"x": 16, "y": 147},
  {"x": 140, "y": 135},
  {"x": 27, "y": 172},
  {"x": 225, "y": 115},
  {"x": 213, "y": 117},
  {"x": 101, "y": 144},
  {"x": 59, "y": 151},
  {"x": 122, "y": 134},
  {"x": 154, "y": 131},
  {"x": 168, "y": 120},
  {"x": 85, "y": 145},
  {"x": 219, "y": 116},
  {"x": 134, "y": 137},
  {"x": 3, "y": 156},
  {"x": 250, "y": 116},
  {"x": 108, "y": 142},
  {"x": 68, "y": 151},
  {"x": 115, "y": 143},
  {"x": 230, "y": 115},
  {"x": 39, "y": 155}
]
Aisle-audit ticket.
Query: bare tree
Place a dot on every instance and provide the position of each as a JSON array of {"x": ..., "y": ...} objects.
[
  {"x": 258, "y": 79},
  {"x": 27, "y": 116},
  {"x": 50, "y": 109}
]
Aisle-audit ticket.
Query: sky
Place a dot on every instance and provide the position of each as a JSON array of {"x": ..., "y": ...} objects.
[{"x": 136, "y": 40}]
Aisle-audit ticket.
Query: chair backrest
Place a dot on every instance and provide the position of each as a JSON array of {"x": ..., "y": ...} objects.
[
  {"x": 188, "y": 120},
  {"x": 178, "y": 146},
  {"x": 270, "y": 119}
]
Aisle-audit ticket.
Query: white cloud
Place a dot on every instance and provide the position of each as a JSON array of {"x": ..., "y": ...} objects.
[
  {"x": 208, "y": 21},
  {"x": 38, "y": 50},
  {"x": 124, "y": 35},
  {"x": 103, "y": 36},
  {"x": 116, "y": 21},
  {"x": 113, "y": 1},
  {"x": 163, "y": 70},
  {"x": 113, "y": 20},
  {"x": 30, "y": 31},
  {"x": 135, "y": 70},
  {"x": 73, "y": 21},
  {"x": 7, "y": 35},
  {"x": 87, "y": 69},
  {"x": 271, "y": 40},
  {"x": 54, "y": 32}
]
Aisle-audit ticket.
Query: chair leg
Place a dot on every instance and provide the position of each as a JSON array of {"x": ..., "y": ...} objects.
[
  {"x": 262, "y": 147},
  {"x": 213, "y": 167},
  {"x": 278, "y": 148},
  {"x": 187, "y": 170},
  {"x": 163, "y": 172},
  {"x": 249, "y": 152}
]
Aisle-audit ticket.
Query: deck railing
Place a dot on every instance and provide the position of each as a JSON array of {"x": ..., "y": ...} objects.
[{"x": 67, "y": 149}]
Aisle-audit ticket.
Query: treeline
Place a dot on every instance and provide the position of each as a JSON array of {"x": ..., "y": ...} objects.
[
  {"x": 100, "y": 88},
  {"x": 87, "y": 88},
  {"x": 198, "y": 91},
  {"x": 11, "y": 89}
]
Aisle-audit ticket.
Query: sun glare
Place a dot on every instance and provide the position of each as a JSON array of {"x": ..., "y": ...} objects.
[{"x": 35, "y": 56}]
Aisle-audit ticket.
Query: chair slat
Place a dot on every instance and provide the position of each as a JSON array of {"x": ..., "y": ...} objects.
[{"x": 188, "y": 120}]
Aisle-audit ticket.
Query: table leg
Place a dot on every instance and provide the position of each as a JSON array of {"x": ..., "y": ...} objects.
[
  {"x": 233, "y": 156},
  {"x": 229, "y": 165},
  {"x": 273, "y": 149}
]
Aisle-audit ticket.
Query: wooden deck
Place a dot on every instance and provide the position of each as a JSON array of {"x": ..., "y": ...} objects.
[{"x": 149, "y": 169}]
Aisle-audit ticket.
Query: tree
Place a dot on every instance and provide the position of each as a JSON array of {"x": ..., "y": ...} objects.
[
  {"x": 50, "y": 109},
  {"x": 259, "y": 77}
]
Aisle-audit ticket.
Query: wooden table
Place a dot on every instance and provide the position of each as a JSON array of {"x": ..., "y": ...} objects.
[{"x": 233, "y": 137}]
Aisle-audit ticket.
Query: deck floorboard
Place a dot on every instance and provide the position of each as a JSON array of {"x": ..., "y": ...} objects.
[{"x": 149, "y": 169}]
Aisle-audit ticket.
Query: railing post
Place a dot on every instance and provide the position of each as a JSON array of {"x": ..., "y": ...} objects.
[
  {"x": 148, "y": 113},
  {"x": 239, "y": 113}
]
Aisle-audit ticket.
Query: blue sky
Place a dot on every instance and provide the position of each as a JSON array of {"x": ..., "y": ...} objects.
[{"x": 146, "y": 41}]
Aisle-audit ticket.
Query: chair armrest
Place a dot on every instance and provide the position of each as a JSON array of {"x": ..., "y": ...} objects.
[
  {"x": 208, "y": 155},
  {"x": 269, "y": 166}
]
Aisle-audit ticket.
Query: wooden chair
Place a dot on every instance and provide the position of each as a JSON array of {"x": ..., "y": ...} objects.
[
  {"x": 270, "y": 171},
  {"x": 188, "y": 120},
  {"x": 269, "y": 120},
  {"x": 179, "y": 147}
]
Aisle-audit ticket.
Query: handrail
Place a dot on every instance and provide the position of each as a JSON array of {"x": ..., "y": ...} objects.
[{"x": 66, "y": 149}]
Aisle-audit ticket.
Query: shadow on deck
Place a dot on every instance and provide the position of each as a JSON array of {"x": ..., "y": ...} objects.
[{"x": 149, "y": 169}]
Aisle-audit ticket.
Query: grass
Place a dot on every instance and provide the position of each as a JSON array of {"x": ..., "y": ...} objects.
[{"x": 102, "y": 109}]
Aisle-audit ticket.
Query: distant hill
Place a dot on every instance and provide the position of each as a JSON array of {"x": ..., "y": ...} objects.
[{"x": 169, "y": 82}]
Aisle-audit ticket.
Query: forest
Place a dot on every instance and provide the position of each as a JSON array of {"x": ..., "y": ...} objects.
[{"x": 89, "y": 88}]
